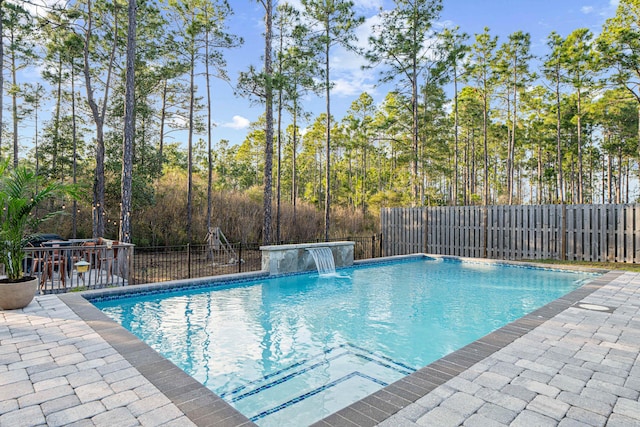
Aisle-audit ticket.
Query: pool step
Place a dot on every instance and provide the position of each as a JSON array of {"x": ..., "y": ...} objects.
[{"x": 330, "y": 380}]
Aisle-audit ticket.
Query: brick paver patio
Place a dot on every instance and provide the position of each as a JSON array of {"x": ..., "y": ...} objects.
[
  {"x": 574, "y": 362},
  {"x": 56, "y": 370}
]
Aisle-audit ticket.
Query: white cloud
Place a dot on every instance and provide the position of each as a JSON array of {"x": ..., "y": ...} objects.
[
  {"x": 586, "y": 9},
  {"x": 39, "y": 7},
  {"x": 366, "y": 30},
  {"x": 177, "y": 122},
  {"x": 611, "y": 10},
  {"x": 367, "y": 4},
  {"x": 347, "y": 76},
  {"x": 352, "y": 85},
  {"x": 237, "y": 122}
]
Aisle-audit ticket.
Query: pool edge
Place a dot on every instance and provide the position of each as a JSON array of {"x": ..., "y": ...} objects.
[
  {"x": 389, "y": 400},
  {"x": 204, "y": 408}
]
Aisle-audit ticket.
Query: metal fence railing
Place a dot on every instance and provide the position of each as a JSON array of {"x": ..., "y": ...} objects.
[
  {"x": 163, "y": 263},
  {"x": 64, "y": 266}
]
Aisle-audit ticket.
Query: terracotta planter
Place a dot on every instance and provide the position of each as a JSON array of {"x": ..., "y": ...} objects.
[{"x": 15, "y": 295}]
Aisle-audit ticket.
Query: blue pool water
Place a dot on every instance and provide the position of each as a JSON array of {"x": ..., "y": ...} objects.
[{"x": 294, "y": 349}]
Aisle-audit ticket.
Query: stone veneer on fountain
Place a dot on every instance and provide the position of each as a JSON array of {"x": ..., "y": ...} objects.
[{"x": 282, "y": 259}]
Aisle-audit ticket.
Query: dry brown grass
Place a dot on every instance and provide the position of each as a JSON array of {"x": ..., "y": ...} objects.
[
  {"x": 161, "y": 266},
  {"x": 238, "y": 214}
]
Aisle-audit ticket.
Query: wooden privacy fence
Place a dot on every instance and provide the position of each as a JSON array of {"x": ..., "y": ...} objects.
[{"x": 580, "y": 232}]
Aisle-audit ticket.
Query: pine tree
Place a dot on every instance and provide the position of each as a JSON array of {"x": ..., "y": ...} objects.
[{"x": 334, "y": 22}]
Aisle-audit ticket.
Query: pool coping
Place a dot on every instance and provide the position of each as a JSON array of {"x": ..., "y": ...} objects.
[{"x": 204, "y": 408}]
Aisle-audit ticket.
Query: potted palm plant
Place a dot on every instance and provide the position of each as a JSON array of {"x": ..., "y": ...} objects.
[{"x": 20, "y": 193}]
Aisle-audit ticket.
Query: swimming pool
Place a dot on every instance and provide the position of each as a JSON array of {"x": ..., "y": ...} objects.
[{"x": 293, "y": 349}]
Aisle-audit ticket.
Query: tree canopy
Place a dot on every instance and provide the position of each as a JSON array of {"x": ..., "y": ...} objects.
[{"x": 467, "y": 119}]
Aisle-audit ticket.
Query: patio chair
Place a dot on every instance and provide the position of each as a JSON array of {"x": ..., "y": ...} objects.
[
  {"x": 52, "y": 260},
  {"x": 109, "y": 256}
]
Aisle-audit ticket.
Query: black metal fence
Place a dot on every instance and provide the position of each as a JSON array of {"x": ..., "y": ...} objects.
[{"x": 163, "y": 263}]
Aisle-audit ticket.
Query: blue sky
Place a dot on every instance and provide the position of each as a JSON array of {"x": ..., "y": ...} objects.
[
  {"x": 233, "y": 114},
  {"x": 503, "y": 17}
]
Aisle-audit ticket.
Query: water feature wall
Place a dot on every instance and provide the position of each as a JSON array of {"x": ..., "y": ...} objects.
[
  {"x": 324, "y": 260},
  {"x": 281, "y": 259}
]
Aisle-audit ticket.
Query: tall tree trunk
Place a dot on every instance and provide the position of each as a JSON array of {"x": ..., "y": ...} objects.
[
  {"x": 279, "y": 159},
  {"x": 74, "y": 136},
  {"x": 129, "y": 128},
  {"x": 603, "y": 178},
  {"x": 56, "y": 120},
  {"x": 294, "y": 182},
  {"x": 14, "y": 106},
  {"x": 163, "y": 116},
  {"x": 209, "y": 130},
  {"x": 364, "y": 182},
  {"x": 455, "y": 136},
  {"x": 638, "y": 146},
  {"x": 36, "y": 134},
  {"x": 474, "y": 170},
  {"x": 2, "y": 73},
  {"x": 466, "y": 170},
  {"x": 609, "y": 180},
  {"x": 540, "y": 173},
  {"x": 619, "y": 183},
  {"x": 573, "y": 180},
  {"x": 192, "y": 96},
  {"x": 580, "y": 171},
  {"x": 509, "y": 165},
  {"x": 268, "y": 155},
  {"x": 414, "y": 132},
  {"x": 626, "y": 192},
  {"x": 558, "y": 139},
  {"x": 485, "y": 141},
  {"x": 327, "y": 200},
  {"x": 98, "y": 118},
  {"x": 512, "y": 143}
]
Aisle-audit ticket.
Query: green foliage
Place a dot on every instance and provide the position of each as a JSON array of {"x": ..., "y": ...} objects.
[
  {"x": 20, "y": 195},
  {"x": 519, "y": 135}
]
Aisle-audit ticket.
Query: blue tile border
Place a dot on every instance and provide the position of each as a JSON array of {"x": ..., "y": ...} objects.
[
  {"x": 174, "y": 286},
  {"x": 275, "y": 374},
  {"x": 368, "y": 356},
  {"x": 212, "y": 282},
  {"x": 314, "y": 392},
  {"x": 282, "y": 379}
]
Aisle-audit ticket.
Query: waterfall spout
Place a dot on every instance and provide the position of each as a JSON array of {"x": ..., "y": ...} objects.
[
  {"x": 294, "y": 258},
  {"x": 324, "y": 260}
]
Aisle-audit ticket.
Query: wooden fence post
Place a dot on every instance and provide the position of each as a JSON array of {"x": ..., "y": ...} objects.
[
  {"x": 425, "y": 233},
  {"x": 485, "y": 240}
]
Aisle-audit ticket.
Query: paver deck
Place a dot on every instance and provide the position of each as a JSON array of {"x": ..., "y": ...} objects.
[{"x": 574, "y": 362}]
